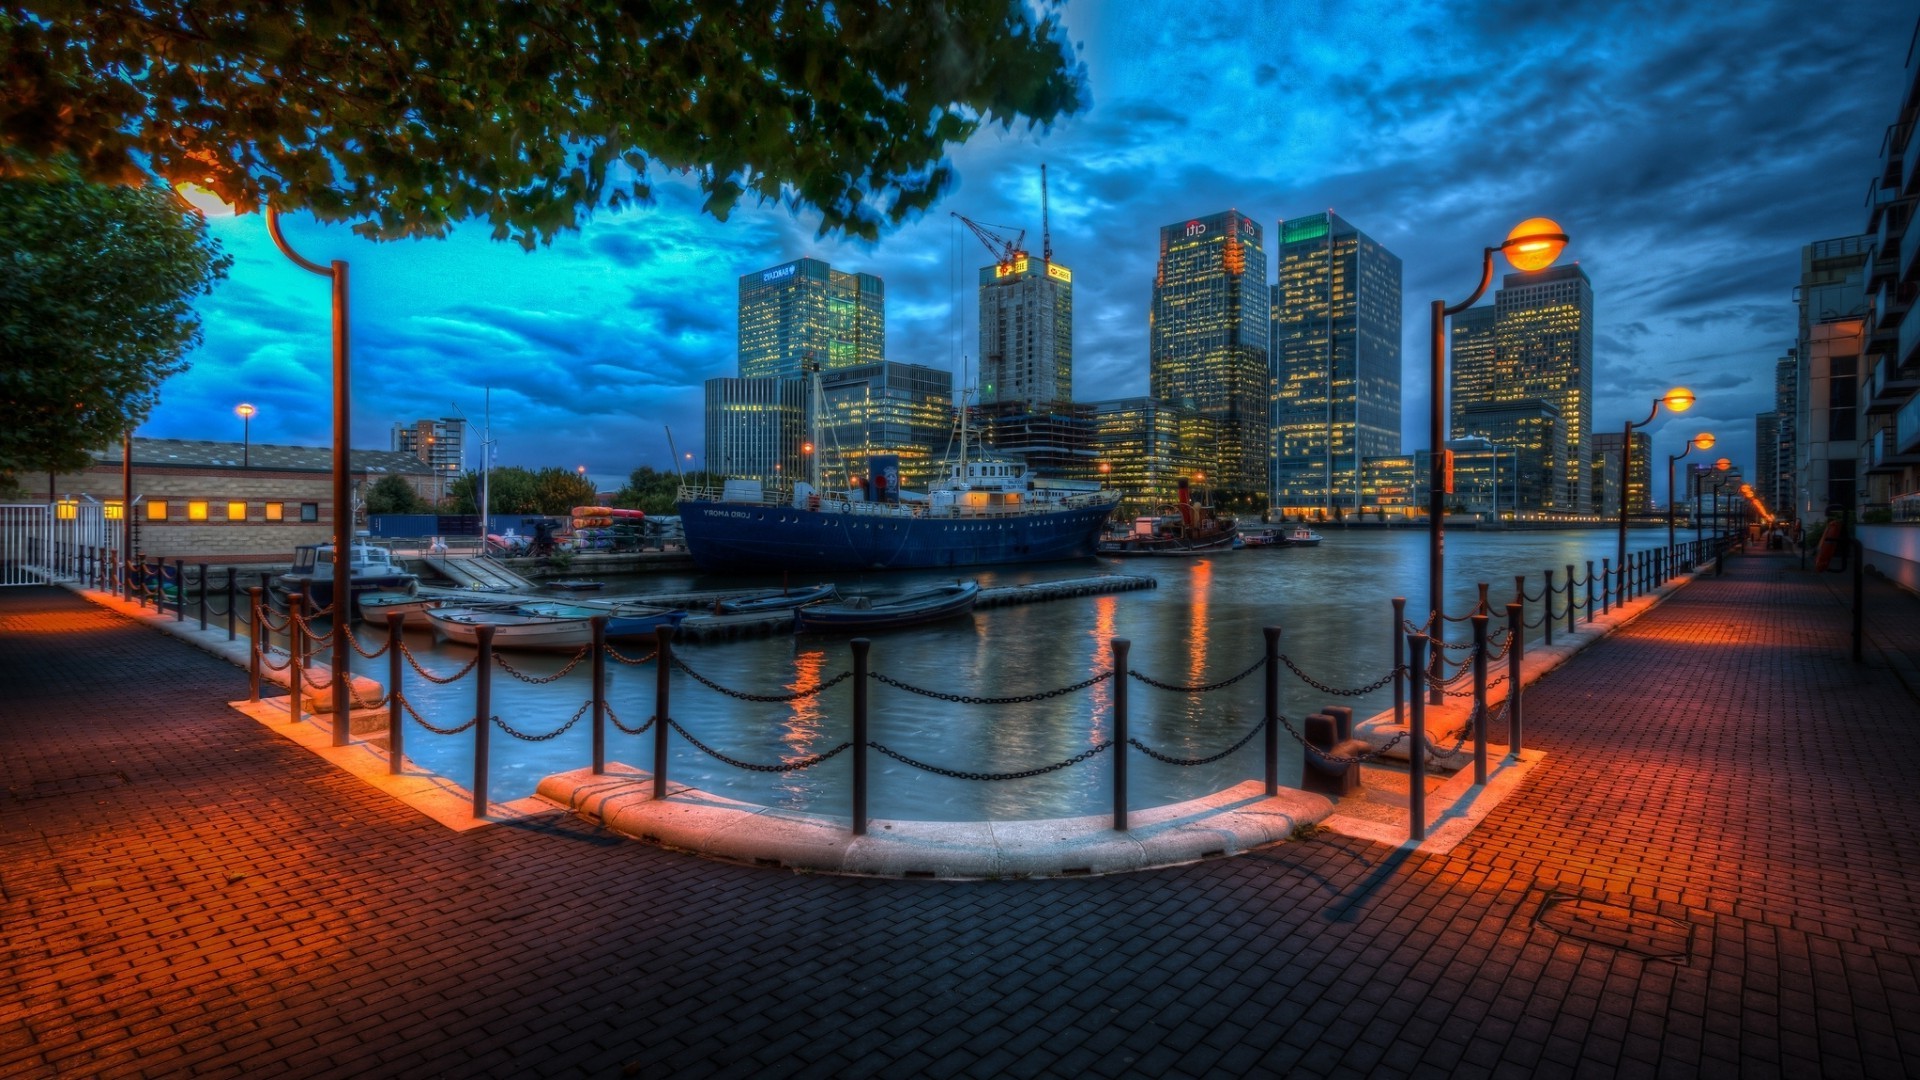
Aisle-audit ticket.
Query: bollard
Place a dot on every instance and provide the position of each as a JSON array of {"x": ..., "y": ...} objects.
[
  {"x": 203, "y": 596},
  {"x": 1483, "y": 597},
  {"x": 860, "y": 647},
  {"x": 253, "y": 652},
  {"x": 599, "y": 646},
  {"x": 1417, "y": 749},
  {"x": 1120, "y": 647},
  {"x": 1480, "y": 692},
  {"x": 1272, "y": 634},
  {"x": 1319, "y": 775},
  {"x": 1516, "y": 652},
  {"x": 1546, "y": 601},
  {"x": 1606, "y": 585},
  {"x": 396, "y": 730},
  {"x": 1342, "y": 721},
  {"x": 1859, "y": 599},
  {"x": 295, "y": 636},
  {"x": 179, "y": 589},
  {"x": 663, "y": 638},
  {"x": 1573, "y": 608},
  {"x": 1589, "y": 592},
  {"x": 1519, "y": 589},
  {"x": 231, "y": 616},
  {"x": 482, "y": 717},
  {"x": 1399, "y": 660}
]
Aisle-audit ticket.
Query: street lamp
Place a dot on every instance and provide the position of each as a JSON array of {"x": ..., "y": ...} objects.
[
  {"x": 1713, "y": 509},
  {"x": 1679, "y": 399},
  {"x": 1533, "y": 244},
  {"x": 246, "y": 412},
  {"x": 1702, "y": 441}
]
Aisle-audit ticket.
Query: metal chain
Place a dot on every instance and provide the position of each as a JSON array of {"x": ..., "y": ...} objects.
[
  {"x": 1205, "y": 688},
  {"x": 991, "y": 777},
  {"x": 1158, "y": 756},
  {"x": 1535, "y": 624},
  {"x": 316, "y": 684},
  {"x": 792, "y": 766},
  {"x": 967, "y": 699},
  {"x": 554, "y": 734},
  {"x": 641, "y": 730},
  {"x": 742, "y": 695},
  {"x": 422, "y": 721},
  {"x": 1356, "y": 692},
  {"x": 432, "y": 678},
  {"x": 524, "y": 677},
  {"x": 312, "y": 638},
  {"x": 1530, "y": 598},
  {"x": 625, "y": 659},
  {"x": 266, "y": 657},
  {"x": 1459, "y": 618},
  {"x": 1420, "y": 629},
  {"x": 1359, "y": 759},
  {"x": 375, "y": 654},
  {"x": 1469, "y": 692}
]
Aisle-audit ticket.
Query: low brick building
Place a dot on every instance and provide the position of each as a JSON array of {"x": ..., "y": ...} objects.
[{"x": 195, "y": 500}]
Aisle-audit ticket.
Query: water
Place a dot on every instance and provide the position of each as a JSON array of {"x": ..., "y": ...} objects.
[{"x": 1202, "y": 624}]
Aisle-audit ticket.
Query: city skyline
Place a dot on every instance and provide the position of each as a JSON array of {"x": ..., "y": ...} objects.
[{"x": 1689, "y": 220}]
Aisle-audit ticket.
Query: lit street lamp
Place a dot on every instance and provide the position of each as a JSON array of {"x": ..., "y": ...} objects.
[
  {"x": 1702, "y": 441},
  {"x": 1533, "y": 244},
  {"x": 1679, "y": 399},
  {"x": 246, "y": 412}
]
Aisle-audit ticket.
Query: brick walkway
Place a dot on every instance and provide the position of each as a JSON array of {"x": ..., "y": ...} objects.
[{"x": 1713, "y": 872}]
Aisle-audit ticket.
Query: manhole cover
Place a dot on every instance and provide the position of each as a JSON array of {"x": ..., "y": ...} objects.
[
  {"x": 1656, "y": 937},
  {"x": 72, "y": 785}
]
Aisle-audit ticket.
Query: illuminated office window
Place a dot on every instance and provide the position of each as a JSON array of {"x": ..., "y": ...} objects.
[
  {"x": 276, "y": 511},
  {"x": 197, "y": 510},
  {"x": 156, "y": 509},
  {"x": 236, "y": 511}
]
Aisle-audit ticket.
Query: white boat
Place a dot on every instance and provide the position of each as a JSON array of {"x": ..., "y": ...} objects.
[
  {"x": 511, "y": 629},
  {"x": 370, "y": 568},
  {"x": 1301, "y": 536}
]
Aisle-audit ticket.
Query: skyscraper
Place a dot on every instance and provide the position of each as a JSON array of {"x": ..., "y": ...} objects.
[
  {"x": 1786, "y": 398},
  {"x": 1335, "y": 342},
  {"x": 889, "y": 408},
  {"x": 1606, "y": 470},
  {"x": 756, "y": 428},
  {"x": 806, "y": 310},
  {"x": 1207, "y": 338},
  {"x": 1473, "y": 376},
  {"x": 1026, "y": 333},
  {"x": 1766, "y": 467},
  {"x": 1543, "y": 348}
]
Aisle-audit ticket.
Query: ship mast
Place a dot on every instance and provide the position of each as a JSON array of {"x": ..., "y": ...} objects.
[{"x": 813, "y": 432}]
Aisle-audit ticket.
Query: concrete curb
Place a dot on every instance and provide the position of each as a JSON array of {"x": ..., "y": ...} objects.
[{"x": 1229, "y": 822}]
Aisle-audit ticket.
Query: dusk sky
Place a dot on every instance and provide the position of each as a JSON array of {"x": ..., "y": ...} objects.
[{"x": 1689, "y": 153}]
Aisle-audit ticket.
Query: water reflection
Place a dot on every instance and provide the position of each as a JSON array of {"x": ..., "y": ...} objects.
[{"x": 1202, "y": 624}]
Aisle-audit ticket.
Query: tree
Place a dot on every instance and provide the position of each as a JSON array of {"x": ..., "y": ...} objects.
[
  {"x": 657, "y": 492},
  {"x": 96, "y": 289},
  {"x": 510, "y": 490},
  {"x": 558, "y": 491},
  {"x": 393, "y": 495},
  {"x": 408, "y": 116}
]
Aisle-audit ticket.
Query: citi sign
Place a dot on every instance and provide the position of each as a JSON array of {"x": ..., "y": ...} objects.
[
  {"x": 1196, "y": 228},
  {"x": 783, "y": 272}
]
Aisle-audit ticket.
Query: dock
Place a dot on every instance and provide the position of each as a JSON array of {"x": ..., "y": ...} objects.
[{"x": 475, "y": 572}]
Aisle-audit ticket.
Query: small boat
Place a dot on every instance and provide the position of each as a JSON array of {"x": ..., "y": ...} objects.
[
  {"x": 859, "y": 614},
  {"x": 1301, "y": 536},
  {"x": 1190, "y": 528},
  {"x": 575, "y": 585},
  {"x": 623, "y": 620},
  {"x": 511, "y": 629},
  {"x": 376, "y": 606},
  {"x": 1264, "y": 539},
  {"x": 370, "y": 568},
  {"x": 780, "y": 601}
]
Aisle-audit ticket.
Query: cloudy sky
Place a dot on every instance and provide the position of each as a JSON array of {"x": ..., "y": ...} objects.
[{"x": 1690, "y": 154}]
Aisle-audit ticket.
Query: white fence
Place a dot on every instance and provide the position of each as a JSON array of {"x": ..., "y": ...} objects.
[{"x": 66, "y": 540}]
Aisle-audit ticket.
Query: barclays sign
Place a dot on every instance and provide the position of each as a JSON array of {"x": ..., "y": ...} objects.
[{"x": 777, "y": 273}]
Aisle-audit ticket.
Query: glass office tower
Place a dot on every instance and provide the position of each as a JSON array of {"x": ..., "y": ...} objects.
[
  {"x": 1207, "y": 339},
  {"x": 806, "y": 310}
]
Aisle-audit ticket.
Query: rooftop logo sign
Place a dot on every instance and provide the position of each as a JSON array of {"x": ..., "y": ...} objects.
[{"x": 777, "y": 273}]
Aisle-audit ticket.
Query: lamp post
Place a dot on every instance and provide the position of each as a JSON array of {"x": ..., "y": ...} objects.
[
  {"x": 1702, "y": 441},
  {"x": 1533, "y": 244},
  {"x": 246, "y": 412},
  {"x": 1679, "y": 399},
  {"x": 1713, "y": 508}
]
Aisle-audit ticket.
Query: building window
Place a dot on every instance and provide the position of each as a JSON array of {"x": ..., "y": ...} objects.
[
  {"x": 196, "y": 510},
  {"x": 156, "y": 509},
  {"x": 276, "y": 512},
  {"x": 114, "y": 510},
  {"x": 309, "y": 511},
  {"x": 67, "y": 509},
  {"x": 236, "y": 511}
]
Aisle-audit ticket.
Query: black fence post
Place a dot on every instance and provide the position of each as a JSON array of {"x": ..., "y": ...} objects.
[
  {"x": 1589, "y": 592},
  {"x": 482, "y": 714},
  {"x": 1606, "y": 585},
  {"x": 1120, "y": 647},
  {"x": 231, "y": 617},
  {"x": 1859, "y": 599},
  {"x": 1516, "y": 652},
  {"x": 599, "y": 646},
  {"x": 1399, "y": 660},
  {"x": 179, "y": 589},
  {"x": 1417, "y": 749},
  {"x": 203, "y": 596},
  {"x": 663, "y": 638},
  {"x": 1483, "y": 598},
  {"x": 1519, "y": 588},
  {"x": 396, "y": 729},
  {"x": 1272, "y": 634},
  {"x": 1546, "y": 605},
  {"x": 860, "y": 647},
  {"x": 259, "y": 642},
  {"x": 296, "y": 637},
  {"x": 1480, "y": 695}
]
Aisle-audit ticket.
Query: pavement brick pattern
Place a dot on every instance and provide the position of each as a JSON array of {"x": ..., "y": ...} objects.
[{"x": 1712, "y": 874}]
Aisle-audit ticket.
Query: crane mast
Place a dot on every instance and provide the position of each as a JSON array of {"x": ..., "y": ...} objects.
[{"x": 1005, "y": 251}]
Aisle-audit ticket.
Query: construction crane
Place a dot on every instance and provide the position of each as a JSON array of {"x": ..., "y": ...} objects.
[{"x": 1005, "y": 252}]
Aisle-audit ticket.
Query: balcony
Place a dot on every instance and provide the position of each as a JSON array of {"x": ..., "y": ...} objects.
[
  {"x": 1884, "y": 456},
  {"x": 1889, "y": 386},
  {"x": 1909, "y": 162}
]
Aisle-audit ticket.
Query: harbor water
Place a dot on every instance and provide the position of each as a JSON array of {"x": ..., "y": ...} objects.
[{"x": 1201, "y": 625}]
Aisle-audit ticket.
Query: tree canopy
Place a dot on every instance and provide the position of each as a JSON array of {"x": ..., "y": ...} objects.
[
  {"x": 393, "y": 495},
  {"x": 405, "y": 117},
  {"x": 512, "y": 489},
  {"x": 96, "y": 290}
]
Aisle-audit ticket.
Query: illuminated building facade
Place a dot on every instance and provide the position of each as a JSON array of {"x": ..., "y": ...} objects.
[
  {"x": 1335, "y": 343},
  {"x": 1543, "y": 335},
  {"x": 1207, "y": 339},
  {"x": 1530, "y": 433},
  {"x": 1786, "y": 374},
  {"x": 1766, "y": 466},
  {"x": 1833, "y": 325},
  {"x": 805, "y": 310},
  {"x": 887, "y": 408},
  {"x": 1026, "y": 333},
  {"x": 1147, "y": 445},
  {"x": 1055, "y": 442},
  {"x": 1606, "y": 474},
  {"x": 755, "y": 428},
  {"x": 1473, "y": 376},
  {"x": 1393, "y": 486}
]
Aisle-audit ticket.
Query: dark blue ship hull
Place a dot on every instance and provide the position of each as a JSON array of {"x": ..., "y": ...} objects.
[{"x": 747, "y": 538}]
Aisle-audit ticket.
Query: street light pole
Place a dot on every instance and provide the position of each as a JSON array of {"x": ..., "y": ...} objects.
[
  {"x": 246, "y": 412},
  {"x": 1679, "y": 399},
  {"x": 336, "y": 272},
  {"x": 1702, "y": 441}
]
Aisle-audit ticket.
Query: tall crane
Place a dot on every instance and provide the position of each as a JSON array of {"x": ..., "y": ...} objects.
[{"x": 1005, "y": 252}]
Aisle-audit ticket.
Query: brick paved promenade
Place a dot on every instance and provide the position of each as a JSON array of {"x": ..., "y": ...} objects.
[{"x": 1714, "y": 872}]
